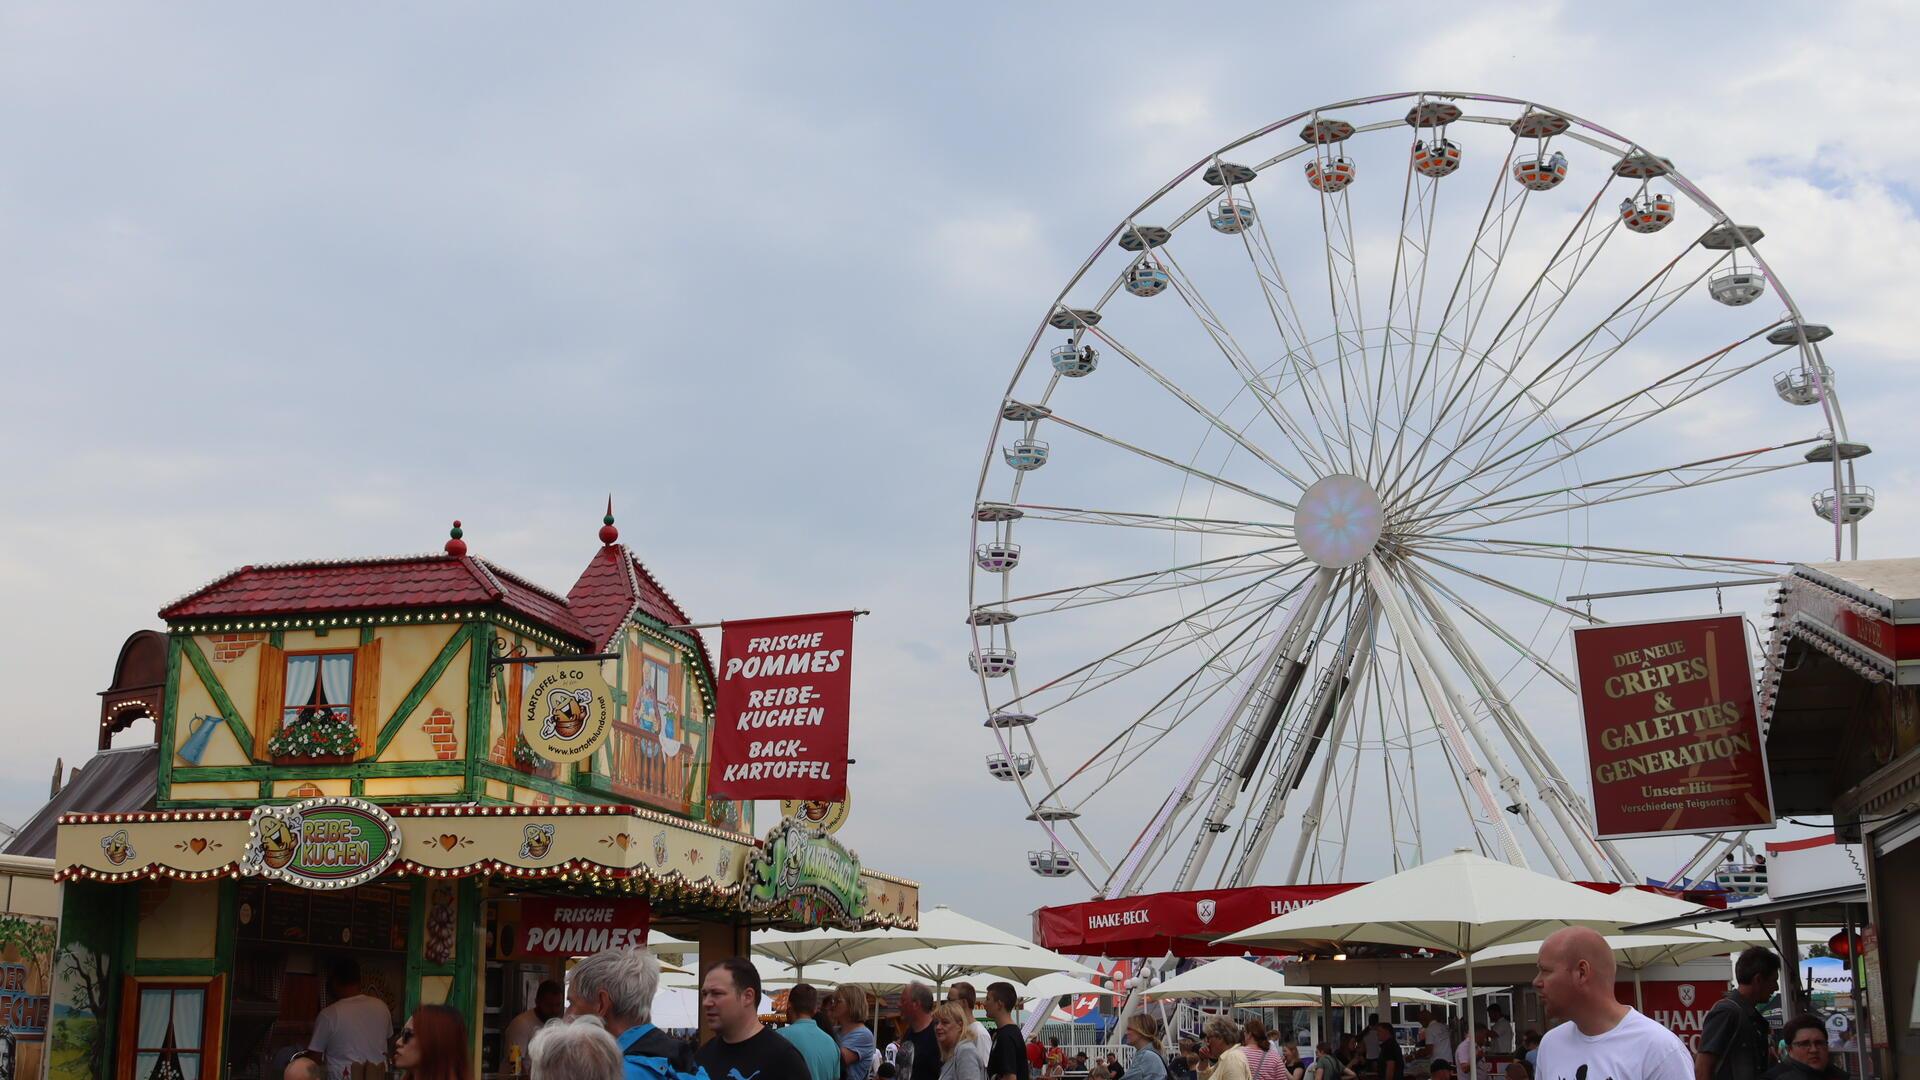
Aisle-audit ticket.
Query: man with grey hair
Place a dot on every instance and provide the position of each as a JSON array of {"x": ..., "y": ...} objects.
[
  {"x": 920, "y": 1057},
  {"x": 617, "y": 987},
  {"x": 579, "y": 1049}
]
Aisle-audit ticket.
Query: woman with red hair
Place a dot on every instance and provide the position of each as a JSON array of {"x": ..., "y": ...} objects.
[{"x": 433, "y": 1046}]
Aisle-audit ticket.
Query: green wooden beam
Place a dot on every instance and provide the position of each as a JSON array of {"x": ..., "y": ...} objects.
[
  {"x": 162, "y": 968},
  {"x": 228, "y": 711},
  {"x": 479, "y": 715},
  {"x": 419, "y": 692},
  {"x": 169, "y": 704},
  {"x": 189, "y": 774}
]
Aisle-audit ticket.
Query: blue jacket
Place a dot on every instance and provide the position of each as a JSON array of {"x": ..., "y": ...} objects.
[{"x": 652, "y": 1054}]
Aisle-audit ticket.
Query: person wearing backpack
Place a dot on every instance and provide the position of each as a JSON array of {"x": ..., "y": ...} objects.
[
  {"x": 617, "y": 986},
  {"x": 1735, "y": 1040}
]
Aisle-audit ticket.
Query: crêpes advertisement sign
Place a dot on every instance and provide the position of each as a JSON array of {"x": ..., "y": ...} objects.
[
  {"x": 780, "y": 729},
  {"x": 1672, "y": 732}
]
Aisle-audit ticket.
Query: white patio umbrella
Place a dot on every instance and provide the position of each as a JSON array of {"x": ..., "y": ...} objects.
[
  {"x": 940, "y": 927},
  {"x": 1017, "y": 962},
  {"x": 774, "y": 975},
  {"x": 1635, "y": 952},
  {"x": 1463, "y": 903},
  {"x": 1061, "y": 984},
  {"x": 876, "y": 975},
  {"x": 1350, "y": 997},
  {"x": 1231, "y": 979}
]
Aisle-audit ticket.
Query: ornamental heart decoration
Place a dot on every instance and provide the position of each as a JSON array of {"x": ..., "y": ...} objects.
[
  {"x": 448, "y": 840},
  {"x": 198, "y": 844}
]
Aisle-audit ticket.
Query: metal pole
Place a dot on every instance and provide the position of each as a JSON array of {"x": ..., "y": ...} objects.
[
  {"x": 1790, "y": 994},
  {"x": 1735, "y": 583}
]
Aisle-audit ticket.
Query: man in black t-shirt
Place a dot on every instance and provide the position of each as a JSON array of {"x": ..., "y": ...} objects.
[
  {"x": 742, "y": 1048},
  {"x": 1008, "y": 1059},
  {"x": 1393, "y": 1062},
  {"x": 916, "y": 1018}
]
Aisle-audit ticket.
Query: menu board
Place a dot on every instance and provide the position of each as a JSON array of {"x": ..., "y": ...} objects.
[
  {"x": 287, "y": 915},
  {"x": 373, "y": 919},
  {"x": 330, "y": 919}
]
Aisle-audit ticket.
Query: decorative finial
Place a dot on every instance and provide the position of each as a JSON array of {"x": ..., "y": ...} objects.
[
  {"x": 608, "y": 534},
  {"x": 455, "y": 545}
]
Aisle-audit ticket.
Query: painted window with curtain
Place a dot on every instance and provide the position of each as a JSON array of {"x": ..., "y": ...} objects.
[
  {"x": 171, "y": 1026},
  {"x": 318, "y": 683}
]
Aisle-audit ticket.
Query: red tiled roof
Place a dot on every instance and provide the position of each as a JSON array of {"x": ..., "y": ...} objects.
[
  {"x": 616, "y": 585},
  {"x": 406, "y": 581}
]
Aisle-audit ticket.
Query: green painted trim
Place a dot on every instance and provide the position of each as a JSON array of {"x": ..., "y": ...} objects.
[
  {"x": 148, "y": 969},
  {"x": 479, "y": 716},
  {"x": 277, "y": 639},
  {"x": 169, "y": 705},
  {"x": 466, "y": 955},
  {"x": 228, "y": 710},
  {"x": 324, "y": 621},
  {"x": 416, "y": 935},
  {"x": 359, "y": 786},
  {"x": 489, "y": 770},
  {"x": 366, "y": 635},
  {"x": 248, "y": 804},
  {"x": 266, "y": 787},
  {"x": 214, "y": 773},
  {"x": 419, "y": 692}
]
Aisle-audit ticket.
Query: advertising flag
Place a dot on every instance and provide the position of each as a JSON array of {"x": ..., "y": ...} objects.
[
  {"x": 1672, "y": 732},
  {"x": 780, "y": 727}
]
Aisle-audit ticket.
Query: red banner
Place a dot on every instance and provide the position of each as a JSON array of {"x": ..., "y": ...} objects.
[
  {"x": 1679, "y": 1005},
  {"x": 550, "y": 927},
  {"x": 1184, "y": 923},
  {"x": 1672, "y": 734},
  {"x": 780, "y": 725}
]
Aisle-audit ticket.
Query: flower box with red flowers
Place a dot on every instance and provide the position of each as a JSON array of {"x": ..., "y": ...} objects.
[{"x": 318, "y": 737}]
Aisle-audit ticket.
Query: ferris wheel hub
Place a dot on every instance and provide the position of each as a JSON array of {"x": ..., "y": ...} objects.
[{"x": 1338, "y": 521}]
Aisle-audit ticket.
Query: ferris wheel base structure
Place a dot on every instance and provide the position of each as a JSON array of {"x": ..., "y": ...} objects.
[{"x": 1289, "y": 494}]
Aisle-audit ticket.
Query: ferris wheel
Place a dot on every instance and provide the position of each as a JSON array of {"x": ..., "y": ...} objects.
[{"x": 1310, "y": 467}]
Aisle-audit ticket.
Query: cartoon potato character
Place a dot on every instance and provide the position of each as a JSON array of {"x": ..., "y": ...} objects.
[
  {"x": 815, "y": 810},
  {"x": 566, "y": 714},
  {"x": 538, "y": 841},
  {"x": 276, "y": 842},
  {"x": 117, "y": 848}
]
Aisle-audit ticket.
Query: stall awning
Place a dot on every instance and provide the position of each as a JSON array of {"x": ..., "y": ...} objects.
[
  {"x": 620, "y": 849},
  {"x": 1826, "y": 905}
]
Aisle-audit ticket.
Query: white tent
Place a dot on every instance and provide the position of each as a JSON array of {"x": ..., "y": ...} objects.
[
  {"x": 1234, "y": 980},
  {"x": 1463, "y": 903},
  {"x": 676, "y": 1008},
  {"x": 1061, "y": 984}
]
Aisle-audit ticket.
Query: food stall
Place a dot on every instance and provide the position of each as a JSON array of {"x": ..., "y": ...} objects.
[{"x": 430, "y": 765}]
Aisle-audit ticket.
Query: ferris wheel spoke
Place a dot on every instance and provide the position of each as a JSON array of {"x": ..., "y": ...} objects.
[
  {"x": 1132, "y": 519},
  {"x": 1614, "y": 418},
  {"x": 1205, "y": 572},
  {"x": 1181, "y": 699},
  {"x": 1622, "y": 326},
  {"x": 1294, "y": 339},
  {"x": 1463, "y": 387},
  {"x": 1406, "y": 296},
  {"x": 1589, "y": 553},
  {"x": 1544, "y": 665},
  {"x": 1510, "y": 589},
  {"x": 1211, "y": 418},
  {"x": 1198, "y": 474},
  {"x": 1343, "y": 294},
  {"x": 1493, "y": 221},
  {"x": 1477, "y": 513}
]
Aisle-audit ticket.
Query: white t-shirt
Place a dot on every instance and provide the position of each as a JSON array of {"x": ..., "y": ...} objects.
[
  {"x": 1502, "y": 1037},
  {"x": 1436, "y": 1036},
  {"x": 1460, "y": 1059},
  {"x": 1370, "y": 1042},
  {"x": 978, "y": 1032},
  {"x": 1636, "y": 1049},
  {"x": 352, "y": 1030}
]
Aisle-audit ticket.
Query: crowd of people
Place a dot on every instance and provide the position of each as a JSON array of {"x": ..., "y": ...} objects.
[{"x": 599, "y": 1027}]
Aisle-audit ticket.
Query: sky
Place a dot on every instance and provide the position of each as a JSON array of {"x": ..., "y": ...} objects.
[{"x": 308, "y": 284}]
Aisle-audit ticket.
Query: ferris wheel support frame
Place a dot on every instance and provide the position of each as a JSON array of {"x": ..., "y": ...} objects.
[
  {"x": 1310, "y": 818},
  {"x": 1449, "y": 712},
  {"x": 1282, "y": 676}
]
